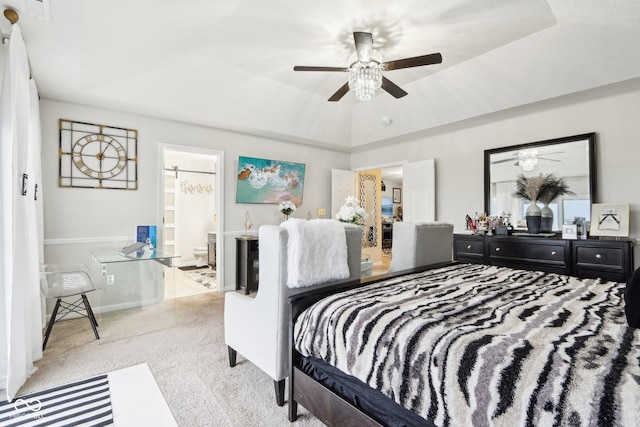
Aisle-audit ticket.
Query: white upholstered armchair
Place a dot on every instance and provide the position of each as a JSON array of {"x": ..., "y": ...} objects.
[
  {"x": 258, "y": 328},
  {"x": 420, "y": 244}
]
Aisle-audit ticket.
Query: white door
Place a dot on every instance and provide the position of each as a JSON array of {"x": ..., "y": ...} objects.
[
  {"x": 343, "y": 184},
  {"x": 419, "y": 191}
]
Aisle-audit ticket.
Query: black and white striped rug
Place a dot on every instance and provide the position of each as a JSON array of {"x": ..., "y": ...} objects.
[{"x": 82, "y": 403}]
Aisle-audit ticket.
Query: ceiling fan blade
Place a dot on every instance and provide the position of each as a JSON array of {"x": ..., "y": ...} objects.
[
  {"x": 416, "y": 61},
  {"x": 305, "y": 68},
  {"x": 340, "y": 93},
  {"x": 392, "y": 88},
  {"x": 551, "y": 160},
  {"x": 503, "y": 161},
  {"x": 364, "y": 44}
]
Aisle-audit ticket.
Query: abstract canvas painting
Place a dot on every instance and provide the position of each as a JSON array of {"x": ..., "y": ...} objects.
[{"x": 269, "y": 181}]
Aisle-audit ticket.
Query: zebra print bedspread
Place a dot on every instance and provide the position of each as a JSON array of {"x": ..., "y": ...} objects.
[{"x": 476, "y": 345}]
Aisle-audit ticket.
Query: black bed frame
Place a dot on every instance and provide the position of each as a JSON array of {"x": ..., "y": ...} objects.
[{"x": 322, "y": 402}]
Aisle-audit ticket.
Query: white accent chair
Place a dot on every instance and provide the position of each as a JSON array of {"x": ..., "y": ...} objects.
[
  {"x": 420, "y": 244},
  {"x": 258, "y": 328}
]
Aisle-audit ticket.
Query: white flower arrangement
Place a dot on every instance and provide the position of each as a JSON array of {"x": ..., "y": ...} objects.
[
  {"x": 287, "y": 207},
  {"x": 352, "y": 212}
]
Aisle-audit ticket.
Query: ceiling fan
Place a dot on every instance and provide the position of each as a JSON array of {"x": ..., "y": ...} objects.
[
  {"x": 527, "y": 159},
  {"x": 524, "y": 155},
  {"x": 366, "y": 67}
]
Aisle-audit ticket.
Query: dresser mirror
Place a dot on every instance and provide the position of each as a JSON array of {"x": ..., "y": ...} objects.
[{"x": 571, "y": 158}]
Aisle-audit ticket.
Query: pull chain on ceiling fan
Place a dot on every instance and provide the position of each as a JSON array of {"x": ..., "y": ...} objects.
[{"x": 366, "y": 68}]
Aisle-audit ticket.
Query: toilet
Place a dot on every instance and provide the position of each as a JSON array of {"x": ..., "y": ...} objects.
[{"x": 200, "y": 253}]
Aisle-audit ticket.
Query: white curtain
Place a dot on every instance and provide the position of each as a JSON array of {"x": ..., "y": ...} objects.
[{"x": 20, "y": 220}]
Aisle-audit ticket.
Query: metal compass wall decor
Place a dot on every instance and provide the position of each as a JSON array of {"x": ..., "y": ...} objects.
[{"x": 97, "y": 156}]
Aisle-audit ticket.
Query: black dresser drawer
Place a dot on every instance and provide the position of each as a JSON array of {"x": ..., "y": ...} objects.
[
  {"x": 469, "y": 248},
  {"x": 599, "y": 256},
  {"x": 606, "y": 259},
  {"x": 551, "y": 255},
  {"x": 528, "y": 251}
]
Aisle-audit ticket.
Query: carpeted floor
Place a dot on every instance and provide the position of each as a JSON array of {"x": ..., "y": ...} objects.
[
  {"x": 188, "y": 360},
  {"x": 205, "y": 276}
]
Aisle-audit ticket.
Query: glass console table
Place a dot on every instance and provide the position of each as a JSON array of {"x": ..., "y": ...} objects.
[{"x": 135, "y": 291}]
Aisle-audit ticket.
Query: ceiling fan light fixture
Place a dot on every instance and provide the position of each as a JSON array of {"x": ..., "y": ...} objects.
[
  {"x": 366, "y": 68},
  {"x": 365, "y": 78},
  {"x": 527, "y": 159}
]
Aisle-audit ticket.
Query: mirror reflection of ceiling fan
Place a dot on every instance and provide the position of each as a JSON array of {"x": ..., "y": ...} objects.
[
  {"x": 527, "y": 159},
  {"x": 366, "y": 67}
]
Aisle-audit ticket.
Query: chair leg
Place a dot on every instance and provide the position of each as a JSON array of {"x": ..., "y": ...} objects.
[
  {"x": 279, "y": 386},
  {"x": 232, "y": 356},
  {"x": 50, "y": 325},
  {"x": 293, "y": 405},
  {"x": 90, "y": 315}
]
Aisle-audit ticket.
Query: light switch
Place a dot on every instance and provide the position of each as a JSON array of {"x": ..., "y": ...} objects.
[{"x": 320, "y": 211}]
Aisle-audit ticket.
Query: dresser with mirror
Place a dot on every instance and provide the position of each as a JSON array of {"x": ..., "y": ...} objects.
[{"x": 573, "y": 159}]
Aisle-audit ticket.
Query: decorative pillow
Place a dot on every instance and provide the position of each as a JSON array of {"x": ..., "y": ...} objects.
[{"x": 632, "y": 300}]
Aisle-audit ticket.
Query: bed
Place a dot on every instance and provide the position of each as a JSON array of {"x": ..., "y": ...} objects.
[{"x": 467, "y": 344}]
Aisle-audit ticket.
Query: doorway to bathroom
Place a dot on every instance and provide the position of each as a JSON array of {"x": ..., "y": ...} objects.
[{"x": 191, "y": 222}]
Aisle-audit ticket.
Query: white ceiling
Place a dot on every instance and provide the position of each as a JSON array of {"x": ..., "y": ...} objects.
[{"x": 229, "y": 64}]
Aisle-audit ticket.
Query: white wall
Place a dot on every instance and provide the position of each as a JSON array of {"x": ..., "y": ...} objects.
[
  {"x": 613, "y": 113},
  {"x": 77, "y": 219},
  {"x": 85, "y": 214}
]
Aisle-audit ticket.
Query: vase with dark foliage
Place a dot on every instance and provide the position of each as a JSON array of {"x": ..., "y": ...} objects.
[
  {"x": 554, "y": 188},
  {"x": 534, "y": 218},
  {"x": 545, "y": 188},
  {"x": 546, "y": 218}
]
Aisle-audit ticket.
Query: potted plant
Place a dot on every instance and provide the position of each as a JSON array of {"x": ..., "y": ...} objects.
[
  {"x": 554, "y": 188},
  {"x": 544, "y": 188},
  {"x": 286, "y": 207},
  {"x": 352, "y": 212}
]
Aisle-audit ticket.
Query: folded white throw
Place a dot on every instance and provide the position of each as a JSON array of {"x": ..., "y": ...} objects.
[{"x": 317, "y": 252}]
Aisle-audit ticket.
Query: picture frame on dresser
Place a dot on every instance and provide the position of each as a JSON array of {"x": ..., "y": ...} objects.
[
  {"x": 570, "y": 231},
  {"x": 610, "y": 220}
]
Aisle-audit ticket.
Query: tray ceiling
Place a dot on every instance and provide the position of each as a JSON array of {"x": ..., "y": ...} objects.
[{"x": 230, "y": 64}]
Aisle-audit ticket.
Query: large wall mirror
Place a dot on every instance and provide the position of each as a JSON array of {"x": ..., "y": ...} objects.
[{"x": 572, "y": 159}]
